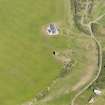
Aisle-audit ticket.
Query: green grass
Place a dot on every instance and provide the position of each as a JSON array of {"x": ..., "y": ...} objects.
[{"x": 26, "y": 62}]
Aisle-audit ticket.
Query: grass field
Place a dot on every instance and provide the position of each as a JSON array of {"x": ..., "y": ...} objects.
[
  {"x": 27, "y": 65},
  {"x": 26, "y": 62}
]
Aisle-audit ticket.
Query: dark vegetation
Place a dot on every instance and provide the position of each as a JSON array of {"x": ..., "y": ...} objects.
[
  {"x": 66, "y": 69},
  {"x": 78, "y": 6}
]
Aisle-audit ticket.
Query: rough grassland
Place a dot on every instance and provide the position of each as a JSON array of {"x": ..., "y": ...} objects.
[{"x": 99, "y": 30}]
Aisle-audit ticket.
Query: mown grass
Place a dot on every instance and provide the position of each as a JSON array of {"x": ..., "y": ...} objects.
[{"x": 26, "y": 62}]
